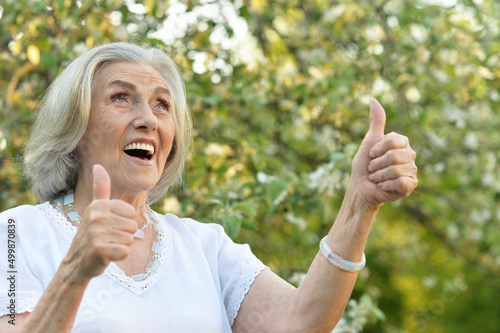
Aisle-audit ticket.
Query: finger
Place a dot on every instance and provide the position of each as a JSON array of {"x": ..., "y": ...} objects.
[
  {"x": 114, "y": 251},
  {"x": 393, "y": 172},
  {"x": 392, "y": 157},
  {"x": 390, "y": 141},
  {"x": 105, "y": 223},
  {"x": 110, "y": 235},
  {"x": 402, "y": 186},
  {"x": 101, "y": 183},
  {"x": 122, "y": 208},
  {"x": 124, "y": 224},
  {"x": 377, "y": 119},
  {"x": 120, "y": 237}
]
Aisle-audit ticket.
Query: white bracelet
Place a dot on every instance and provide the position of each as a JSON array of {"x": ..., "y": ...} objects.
[{"x": 337, "y": 261}]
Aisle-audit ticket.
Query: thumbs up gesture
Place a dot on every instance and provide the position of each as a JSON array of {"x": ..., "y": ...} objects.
[
  {"x": 384, "y": 167},
  {"x": 106, "y": 230}
]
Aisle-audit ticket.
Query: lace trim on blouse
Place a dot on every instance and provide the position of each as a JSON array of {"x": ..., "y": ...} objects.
[
  {"x": 23, "y": 305},
  {"x": 242, "y": 286},
  {"x": 68, "y": 230}
]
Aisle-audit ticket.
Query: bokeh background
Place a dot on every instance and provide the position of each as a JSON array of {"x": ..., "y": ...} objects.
[{"x": 279, "y": 93}]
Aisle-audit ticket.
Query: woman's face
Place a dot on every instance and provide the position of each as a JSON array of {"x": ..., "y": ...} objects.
[{"x": 131, "y": 127}]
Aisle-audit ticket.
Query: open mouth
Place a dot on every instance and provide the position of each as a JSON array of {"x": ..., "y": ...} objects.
[{"x": 144, "y": 151}]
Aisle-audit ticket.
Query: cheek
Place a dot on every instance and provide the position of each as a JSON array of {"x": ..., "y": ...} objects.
[
  {"x": 90, "y": 140},
  {"x": 96, "y": 136},
  {"x": 104, "y": 119},
  {"x": 172, "y": 130},
  {"x": 107, "y": 125},
  {"x": 167, "y": 139},
  {"x": 168, "y": 132}
]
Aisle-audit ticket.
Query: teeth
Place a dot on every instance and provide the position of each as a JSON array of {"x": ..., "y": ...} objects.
[{"x": 141, "y": 146}]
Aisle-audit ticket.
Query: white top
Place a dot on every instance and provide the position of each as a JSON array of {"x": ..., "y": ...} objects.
[{"x": 201, "y": 281}]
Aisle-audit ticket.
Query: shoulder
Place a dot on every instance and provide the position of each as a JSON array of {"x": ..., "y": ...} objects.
[
  {"x": 25, "y": 220},
  {"x": 20, "y": 210},
  {"x": 210, "y": 238},
  {"x": 195, "y": 228},
  {"x": 20, "y": 213}
]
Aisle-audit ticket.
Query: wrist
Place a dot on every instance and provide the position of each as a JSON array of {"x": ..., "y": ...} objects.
[
  {"x": 356, "y": 200},
  {"x": 339, "y": 262},
  {"x": 72, "y": 275},
  {"x": 349, "y": 233}
]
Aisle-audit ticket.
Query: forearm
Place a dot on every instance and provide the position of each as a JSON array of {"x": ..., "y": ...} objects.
[
  {"x": 57, "y": 308},
  {"x": 348, "y": 235},
  {"x": 319, "y": 302}
]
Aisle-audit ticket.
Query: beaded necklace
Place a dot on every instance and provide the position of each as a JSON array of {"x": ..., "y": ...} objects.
[{"x": 65, "y": 206}]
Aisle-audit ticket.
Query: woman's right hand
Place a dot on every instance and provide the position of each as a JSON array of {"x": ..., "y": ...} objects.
[{"x": 106, "y": 231}]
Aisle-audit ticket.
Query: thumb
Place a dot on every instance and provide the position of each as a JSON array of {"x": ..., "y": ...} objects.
[
  {"x": 377, "y": 118},
  {"x": 101, "y": 183}
]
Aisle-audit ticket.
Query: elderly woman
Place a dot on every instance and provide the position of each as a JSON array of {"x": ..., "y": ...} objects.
[{"x": 111, "y": 137}]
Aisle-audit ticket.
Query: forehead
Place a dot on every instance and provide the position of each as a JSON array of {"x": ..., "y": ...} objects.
[{"x": 129, "y": 72}]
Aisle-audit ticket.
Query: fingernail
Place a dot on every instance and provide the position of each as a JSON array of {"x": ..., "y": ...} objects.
[
  {"x": 371, "y": 154},
  {"x": 371, "y": 168},
  {"x": 371, "y": 177}
]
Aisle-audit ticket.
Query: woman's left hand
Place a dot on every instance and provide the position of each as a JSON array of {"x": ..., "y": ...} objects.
[
  {"x": 382, "y": 170},
  {"x": 384, "y": 167}
]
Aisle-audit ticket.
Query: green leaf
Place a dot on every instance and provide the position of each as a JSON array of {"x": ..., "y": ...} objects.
[
  {"x": 248, "y": 224},
  {"x": 337, "y": 156},
  {"x": 246, "y": 207},
  {"x": 275, "y": 188},
  {"x": 232, "y": 225},
  {"x": 379, "y": 314},
  {"x": 215, "y": 201}
]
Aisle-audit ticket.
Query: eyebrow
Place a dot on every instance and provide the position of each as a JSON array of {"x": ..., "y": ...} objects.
[
  {"x": 162, "y": 90},
  {"x": 125, "y": 84},
  {"x": 133, "y": 87}
]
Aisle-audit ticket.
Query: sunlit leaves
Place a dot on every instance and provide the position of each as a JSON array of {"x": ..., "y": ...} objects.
[
  {"x": 33, "y": 54},
  {"x": 279, "y": 93}
]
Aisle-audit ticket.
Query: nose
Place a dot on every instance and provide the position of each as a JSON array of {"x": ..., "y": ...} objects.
[{"x": 145, "y": 118}]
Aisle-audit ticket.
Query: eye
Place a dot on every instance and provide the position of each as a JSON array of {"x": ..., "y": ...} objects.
[
  {"x": 120, "y": 98},
  {"x": 163, "y": 104}
]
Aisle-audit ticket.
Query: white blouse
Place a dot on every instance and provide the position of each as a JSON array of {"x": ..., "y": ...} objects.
[{"x": 199, "y": 286}]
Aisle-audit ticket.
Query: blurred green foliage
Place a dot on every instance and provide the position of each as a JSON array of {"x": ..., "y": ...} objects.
[{"x": 279, "y": 92}]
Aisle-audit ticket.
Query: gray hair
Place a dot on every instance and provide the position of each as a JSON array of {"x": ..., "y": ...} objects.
[{"x": 52, "y": 160}]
